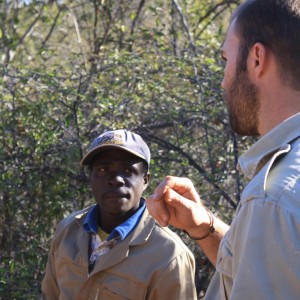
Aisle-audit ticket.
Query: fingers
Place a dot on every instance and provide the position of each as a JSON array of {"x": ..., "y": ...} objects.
[
  {"x": 180, "y": 203},
  {"x": 173, "y": 195},
  {"x": 156, "y": 203},
  {"x": 160, "y": 190},
  {"x": 158, "y": 210},
  {"x": 183, "y": 186},
  {"x": 185, "y": 213}
]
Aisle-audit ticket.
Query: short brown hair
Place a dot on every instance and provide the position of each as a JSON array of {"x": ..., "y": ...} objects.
[{"x": 275, "y": 24}]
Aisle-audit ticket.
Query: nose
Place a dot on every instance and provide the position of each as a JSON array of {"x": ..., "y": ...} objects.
[
  {"x": 222, "y": 82},
  {"x": 115, "y": 179}
]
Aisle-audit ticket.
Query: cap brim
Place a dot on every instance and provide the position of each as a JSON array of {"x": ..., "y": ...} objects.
[{"x": 88, "y": 158}]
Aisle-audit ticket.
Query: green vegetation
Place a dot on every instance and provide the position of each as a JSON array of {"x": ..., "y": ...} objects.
[{"x": 73, "y": 69}]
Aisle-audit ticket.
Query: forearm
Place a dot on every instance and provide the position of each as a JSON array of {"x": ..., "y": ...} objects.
[{"x": 210, "y": 244}]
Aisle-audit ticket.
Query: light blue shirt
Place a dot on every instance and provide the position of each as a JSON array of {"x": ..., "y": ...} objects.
[{"x": 92, "y": 220}]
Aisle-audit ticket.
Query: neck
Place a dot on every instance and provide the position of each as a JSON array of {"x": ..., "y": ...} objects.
[
  {"x": 278, "y": 105},
  {"x": 109, "y": 221}
]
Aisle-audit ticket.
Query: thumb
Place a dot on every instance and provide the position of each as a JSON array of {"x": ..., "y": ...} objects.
[{"x": 178, "y": 202}]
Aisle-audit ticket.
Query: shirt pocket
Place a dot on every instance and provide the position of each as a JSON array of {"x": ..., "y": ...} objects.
[{"x": 224, "y": 262}]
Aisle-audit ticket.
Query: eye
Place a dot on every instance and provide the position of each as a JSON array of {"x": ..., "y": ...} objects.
[
  {"x": 128, "y": 170},
  {"x": 101, "y": 169}
]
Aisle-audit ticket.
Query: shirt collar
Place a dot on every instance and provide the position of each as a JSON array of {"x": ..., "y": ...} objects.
[
  {"x": 92, "y": 220},
  {"x": 268, "y": 144},
  {"x": 90, "y": 223}
]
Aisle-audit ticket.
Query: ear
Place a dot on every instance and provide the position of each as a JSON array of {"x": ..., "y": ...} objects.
[
  {"x": 90, "y": 171},
  {"x": 146, "y": 180},
  {"x": 257, "y": 59}
]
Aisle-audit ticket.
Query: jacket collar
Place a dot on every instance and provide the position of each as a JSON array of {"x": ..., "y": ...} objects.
[
  {"x": 82, "y": 215},
  {"x": 275, "y": 140}
]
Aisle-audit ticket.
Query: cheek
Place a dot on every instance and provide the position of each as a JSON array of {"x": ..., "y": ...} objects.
[
  {"x": 95, "y": 183},
  {"x": 93, "y": 186},
  {"x": 139, "y": 187}
]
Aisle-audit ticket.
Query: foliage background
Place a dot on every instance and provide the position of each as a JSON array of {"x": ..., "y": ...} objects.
[{"x": 73, "y": 69}]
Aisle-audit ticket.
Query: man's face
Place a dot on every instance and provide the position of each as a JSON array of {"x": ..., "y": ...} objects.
[
  {"x": 240, "y": 94},
  {"x": 118, "y": 180}
]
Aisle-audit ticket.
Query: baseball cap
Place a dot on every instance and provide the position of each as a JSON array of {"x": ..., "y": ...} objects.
[{"x": 120, "y": 139}]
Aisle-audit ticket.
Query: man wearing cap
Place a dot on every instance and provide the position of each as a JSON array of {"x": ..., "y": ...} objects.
[{"x": 115, "y": 249}]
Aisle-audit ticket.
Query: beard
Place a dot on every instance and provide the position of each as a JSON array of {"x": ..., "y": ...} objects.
[{"x": 243, "y": 104}]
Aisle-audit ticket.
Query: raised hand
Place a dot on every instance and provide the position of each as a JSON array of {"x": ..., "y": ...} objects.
[{"x": 176, "y": 202}]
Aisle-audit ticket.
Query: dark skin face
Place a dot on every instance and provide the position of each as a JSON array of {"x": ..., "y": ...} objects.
[{"x": 118, "y": 180}]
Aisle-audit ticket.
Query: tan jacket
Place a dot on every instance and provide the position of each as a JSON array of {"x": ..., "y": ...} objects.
[{"x": 151, "y": 263}]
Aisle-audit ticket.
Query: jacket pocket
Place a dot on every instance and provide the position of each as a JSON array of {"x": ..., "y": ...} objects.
[
  {"x": 111, "y": 286},
  {"x": 105, "y": 294}
]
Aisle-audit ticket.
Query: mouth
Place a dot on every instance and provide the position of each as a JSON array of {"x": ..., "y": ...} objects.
[{"x": 115, "y": 195}]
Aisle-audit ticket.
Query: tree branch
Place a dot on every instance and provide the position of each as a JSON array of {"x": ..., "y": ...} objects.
[{"x": 167, "y": 145}]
